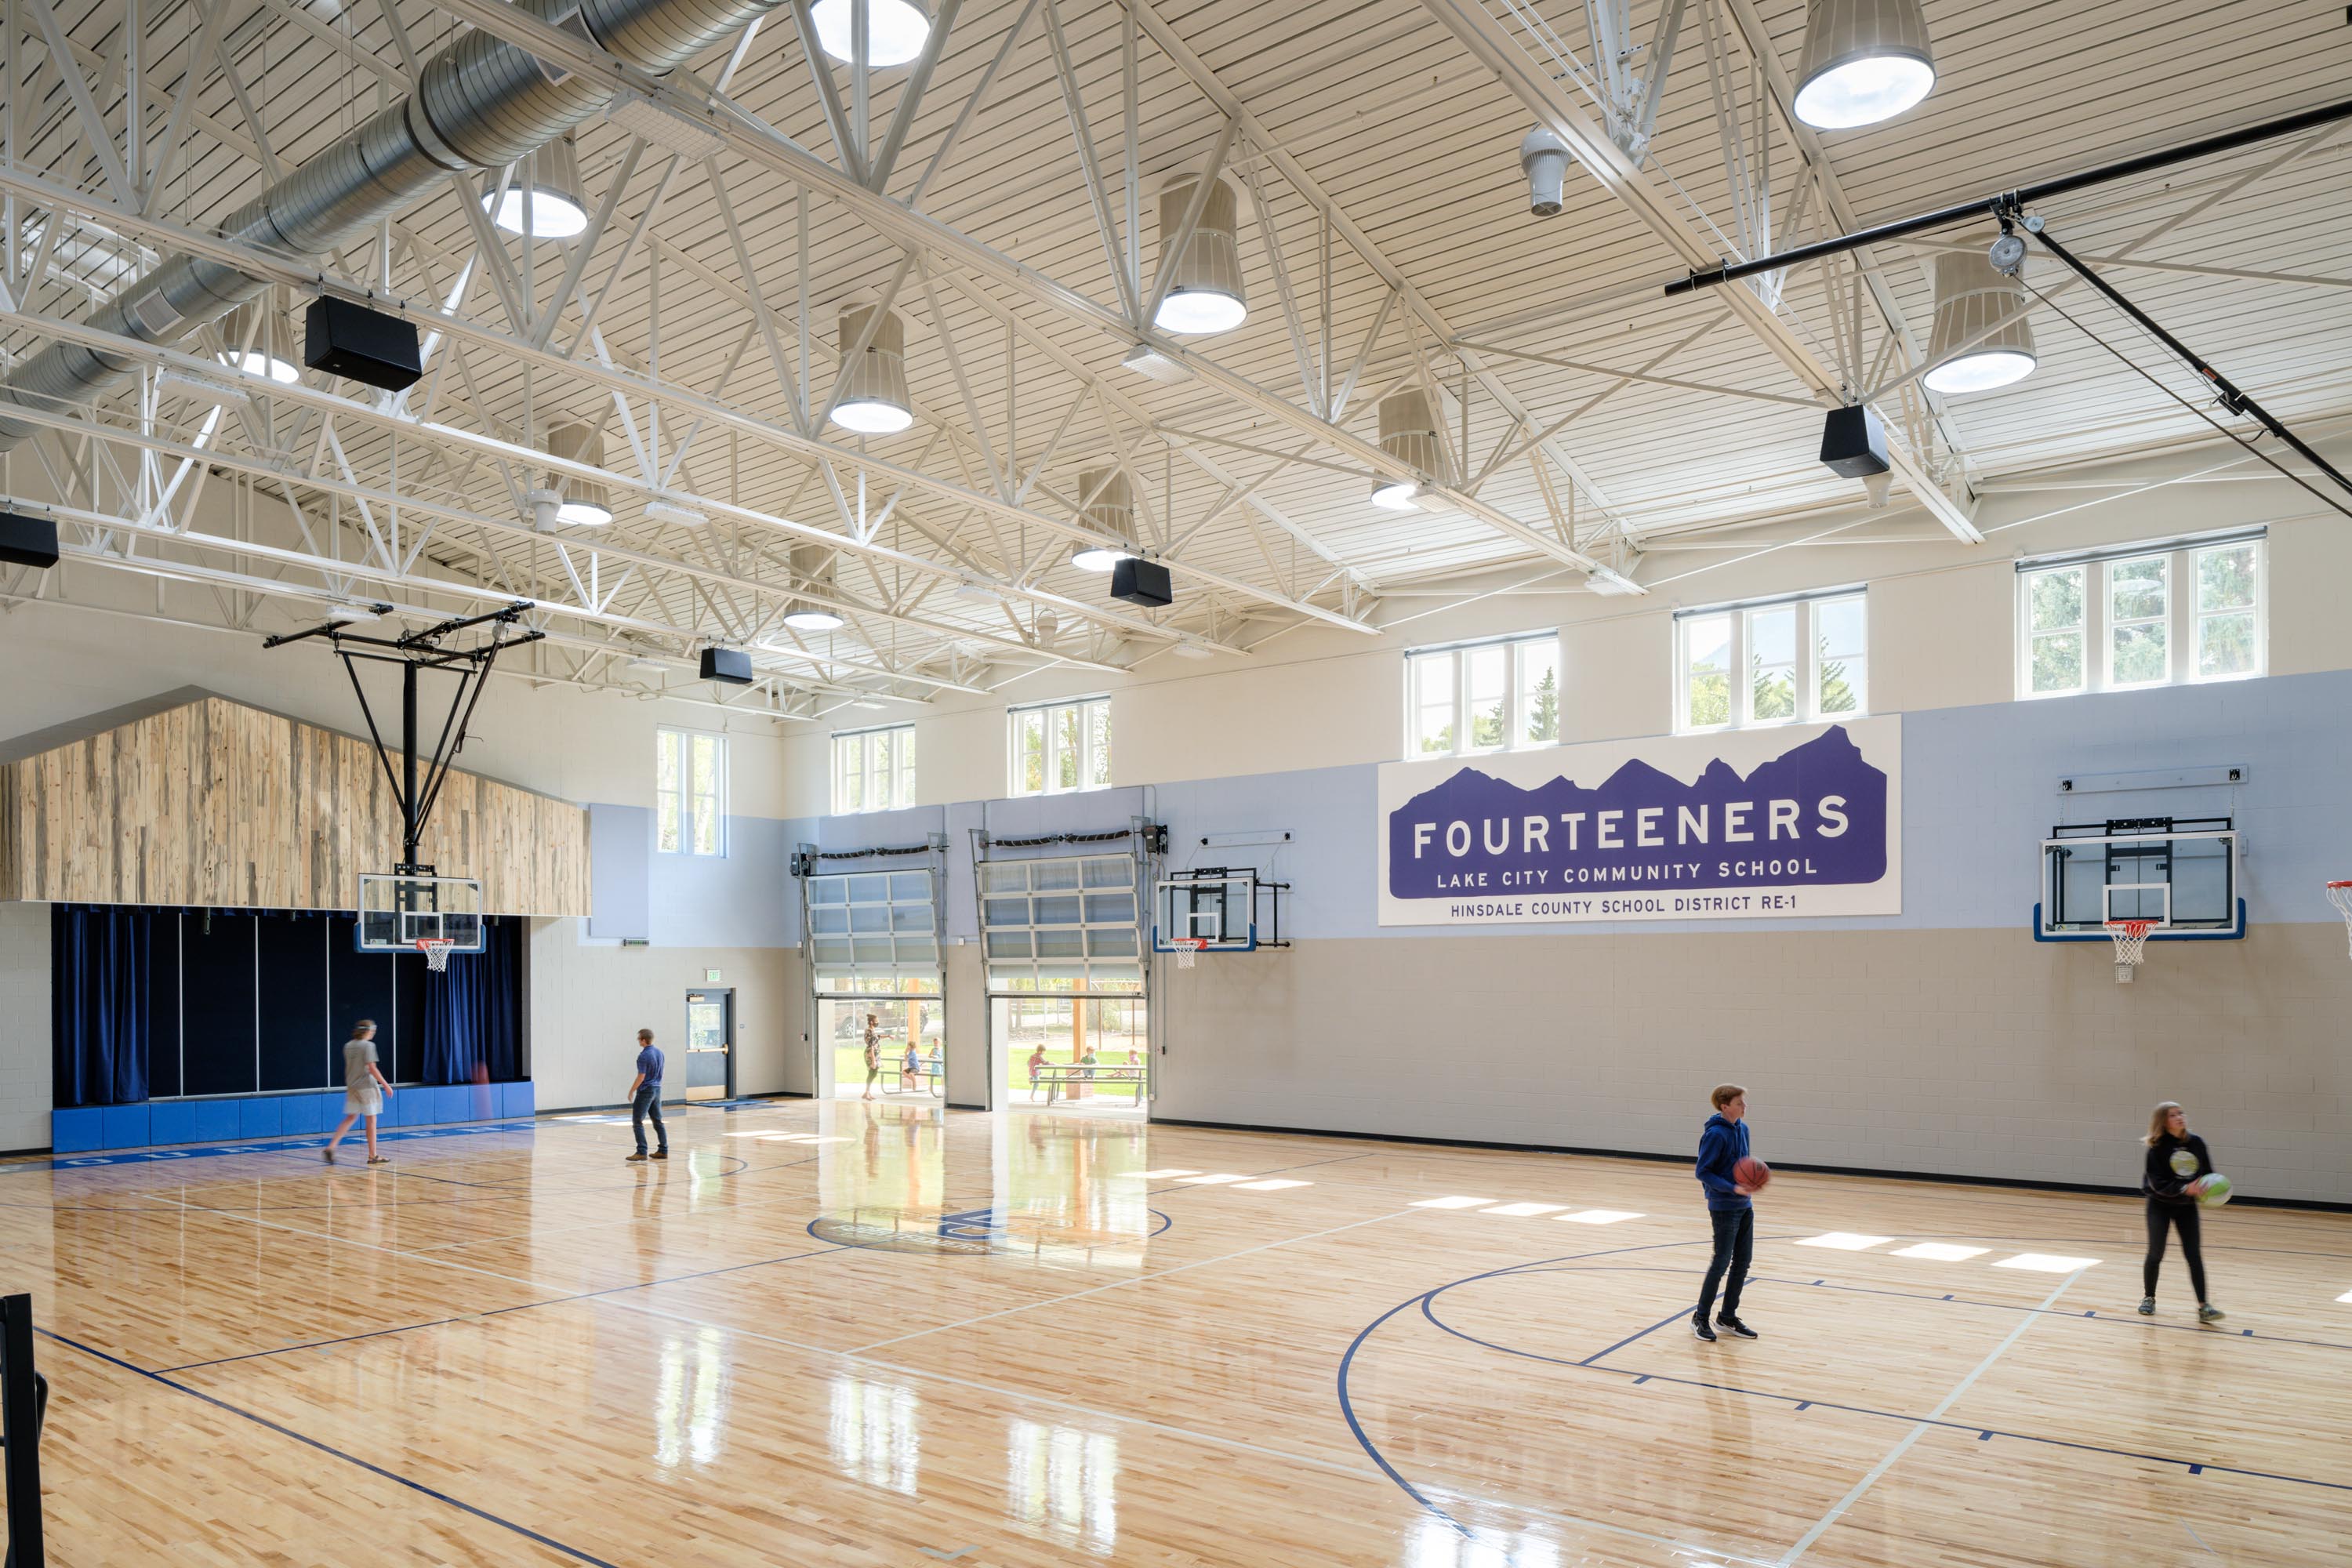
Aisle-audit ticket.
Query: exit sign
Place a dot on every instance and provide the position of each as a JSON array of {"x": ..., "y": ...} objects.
[{"x": 710, "y": 977}]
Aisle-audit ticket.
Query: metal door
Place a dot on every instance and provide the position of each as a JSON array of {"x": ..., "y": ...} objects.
[{"x": 710, "y": 1044}]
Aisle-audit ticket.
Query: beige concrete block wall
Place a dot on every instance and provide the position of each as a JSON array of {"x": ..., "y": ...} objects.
[
  {"x": 24, "y": 1050},
  {"x": 587, "y": 1002},
  {"x": 1953, "y": 1053}
]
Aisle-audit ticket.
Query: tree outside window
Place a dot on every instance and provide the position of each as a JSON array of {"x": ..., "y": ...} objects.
[
  {"x": 1804, "y": 660},
  {"x": 2141, "y": 616},
  {"x": 1482, "y": 697},
  {"x": 874, "y": 769},
  {"x": 1060, "y": 747},
  {"x": 689, "y": 792}
]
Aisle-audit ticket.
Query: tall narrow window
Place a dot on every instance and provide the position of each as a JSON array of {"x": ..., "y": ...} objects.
[
  {"x": 874, "y": 769},
  {"x": 1058, "y": 747},
  {"x": 689, "y": 792},
  {"x": 2056, "y": 616},
  {"x": 1482, "y": 697},
  {"x": 1786, "y": 661},
  {"x": 2136, "y": 616}
]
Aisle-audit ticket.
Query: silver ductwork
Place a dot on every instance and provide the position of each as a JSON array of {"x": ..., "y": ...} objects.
[{"x": 477, "y": 104}]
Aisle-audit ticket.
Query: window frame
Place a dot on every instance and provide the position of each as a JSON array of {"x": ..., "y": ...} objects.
[
  {"x": 895, "y": 741},
  {"x": 1516, "y": 693},
  {"x": 684, "y": 802},
  {"x": 1805, "y": 671},
  {"x": 2184, "y": 617},
  {"x": 1095, "y": 744}
]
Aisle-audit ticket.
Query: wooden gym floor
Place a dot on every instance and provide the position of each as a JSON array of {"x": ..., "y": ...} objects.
[{"x": 851, "y": 1335}]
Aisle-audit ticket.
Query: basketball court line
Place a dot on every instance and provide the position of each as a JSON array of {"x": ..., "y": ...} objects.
[
  {"x": 1932, "y": 1419},
  {"x": 1137, "y": 1279},
  {"x": 283, "y": 1430}
]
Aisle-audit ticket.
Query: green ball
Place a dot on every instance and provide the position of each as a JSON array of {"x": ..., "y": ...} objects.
[{"x": 2217, "y": 1190}]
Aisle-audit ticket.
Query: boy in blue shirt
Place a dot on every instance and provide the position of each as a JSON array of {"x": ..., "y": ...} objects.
[
  {"x": 644, "y": 1097},
  {"x": 1722, "y": 1144}
]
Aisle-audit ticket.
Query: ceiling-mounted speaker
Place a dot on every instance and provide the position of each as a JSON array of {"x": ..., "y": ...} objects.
[
  {"x": 348, "y": 340},
  {"x": 1142, "y": 582},
  {"x": 28, "y": 540},
  {"x": 731, "y": 665}
]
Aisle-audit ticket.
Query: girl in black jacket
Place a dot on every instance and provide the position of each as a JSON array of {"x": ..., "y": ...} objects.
[{"x": 2177, "y": 1167}]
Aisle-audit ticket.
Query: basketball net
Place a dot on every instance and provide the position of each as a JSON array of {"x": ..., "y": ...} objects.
[
  {"x": 2131, "y": 943},
  {"x": 2340, "y": 895},
  {"x": 437, "y": 951},
  {"x": 1188, "y": 950}
]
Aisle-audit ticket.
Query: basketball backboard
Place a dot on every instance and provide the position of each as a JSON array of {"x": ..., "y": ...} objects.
[
  {"x": 1219, "y": 905},
  {"x": 397, "y": 912},
  {"x": 2180, "y": 874}
]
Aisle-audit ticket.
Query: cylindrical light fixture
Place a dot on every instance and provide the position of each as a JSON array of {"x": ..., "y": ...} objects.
[
  {"x": 875, "y": 402},
  {"x": 812, "y": 565},
  {"x": 895, "y": 30},
  {"x": 1864, "y": 61},
  {"x": 1409, "y": 434},
  {"x": 1970, "y": 297},
  {"x": 582, "y": 503},
  {"x": 1207, "y": 295},
  {"x": 257, "y": 338},
  {"x": 544, "y": 199},
  {"x": 1112, "y": 511}
]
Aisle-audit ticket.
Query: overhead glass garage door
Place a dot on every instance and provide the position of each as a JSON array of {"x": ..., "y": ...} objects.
[
  {"x": 1064, "y": 923},
  {"x": 874, "y": 933}
]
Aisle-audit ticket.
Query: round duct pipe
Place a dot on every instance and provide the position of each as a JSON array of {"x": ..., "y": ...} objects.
[{"x": 477, "y": 103}]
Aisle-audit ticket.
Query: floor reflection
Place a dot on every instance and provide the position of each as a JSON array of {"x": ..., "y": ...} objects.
[
  {"x": 876, "y": 1433},
  {"x": 691, "y": 1402},
  {"x": 1064, "y": 1481}
]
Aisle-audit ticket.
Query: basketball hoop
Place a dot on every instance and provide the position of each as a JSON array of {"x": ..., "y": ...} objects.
[
  {"x": 2131, "y": 943},
  {"x": 2340, "y": 895},
  {"x": 437, "y": 951},
  {"x": 1188, "y": 950}
]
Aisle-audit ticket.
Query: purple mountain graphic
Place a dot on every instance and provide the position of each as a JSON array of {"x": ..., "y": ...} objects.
[{"x": 1815, "y": 815}]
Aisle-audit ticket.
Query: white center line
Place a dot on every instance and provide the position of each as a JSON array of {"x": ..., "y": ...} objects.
[{"x": 1925, "y": 1423}]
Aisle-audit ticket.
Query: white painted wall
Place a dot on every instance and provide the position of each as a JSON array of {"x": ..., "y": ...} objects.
[
  {"x": 1941, "y": 636},
  {"x": 25, "y": 1051}
]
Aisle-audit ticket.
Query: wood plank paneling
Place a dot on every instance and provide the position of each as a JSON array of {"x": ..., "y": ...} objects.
[{"x": 213, "y": 802}]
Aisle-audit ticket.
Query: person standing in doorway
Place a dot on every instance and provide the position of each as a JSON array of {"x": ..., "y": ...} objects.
[
  {"x": 1722, "y": 1144},
  {"x": 2174, "y": 1173},
  {"x": 364, "y": 1089},
  {"x": 644, "y": 1097},
  {"x": 873, "y": 1052},
  {"x": 1037, "y": 1070}
]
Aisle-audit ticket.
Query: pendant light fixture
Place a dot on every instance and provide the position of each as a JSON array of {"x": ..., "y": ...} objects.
[
  {"x": 875, "y": 402},
  {"x": 544, "y": 198},
  {"x": 1112, "y": 512},
  {"x": 1864, "y": 61},
  {"x": 1207, "y": 295},
  {"x": 256, "y": 342},
  {"x": 1970, "y": 297},
  {"x": 1409, "y": 434},
  {"x": 579, "y": 503},
  {"x": 812, "y": 565},
  {"x": 895, "y": 30}
]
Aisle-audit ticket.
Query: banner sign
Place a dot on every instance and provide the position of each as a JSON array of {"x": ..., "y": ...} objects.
[{"x": 1802, "y": 820}]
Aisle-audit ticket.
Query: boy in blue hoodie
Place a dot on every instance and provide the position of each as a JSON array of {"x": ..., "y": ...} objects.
[{"x": 1722, "y": 1144}]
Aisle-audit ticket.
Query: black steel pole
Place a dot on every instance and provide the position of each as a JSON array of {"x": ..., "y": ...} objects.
[
  {"x": 2233, "y": 397},
  {"x": 2229, "y": 140},
  {"x": 20, "y": 1426},
  {"x": 408, "y": 823}
]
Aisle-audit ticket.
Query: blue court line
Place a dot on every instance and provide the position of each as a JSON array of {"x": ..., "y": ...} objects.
[
  {"x": 574, "y": 1552},
  {"x": 2105, "y": 1320},
  {"x": 271, "y": 1146},
  {"x": 2193, "y": 1466}
]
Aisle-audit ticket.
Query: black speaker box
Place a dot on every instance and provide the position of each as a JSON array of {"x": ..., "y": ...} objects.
[
  {"x": 27, "y": 541},
  {"x": 1142, "y": 582},
  {"x": 1854, "y": 443},
  {"x": 348, "y": 340},
  {"x": 731, "y": 665}
]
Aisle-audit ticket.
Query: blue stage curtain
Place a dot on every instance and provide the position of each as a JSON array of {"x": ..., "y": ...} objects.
[
  {"x": 473, "y": 1012},
  {"x": 99, "y": 1004}
]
